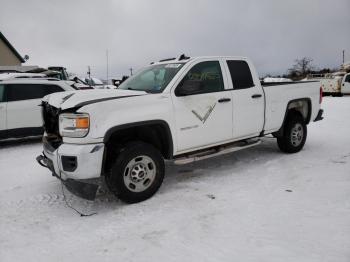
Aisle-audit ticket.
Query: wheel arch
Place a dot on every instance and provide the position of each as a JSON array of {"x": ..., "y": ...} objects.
[
  {"x": 301, "y": 106},
  {"x": 155, "y": 132}
]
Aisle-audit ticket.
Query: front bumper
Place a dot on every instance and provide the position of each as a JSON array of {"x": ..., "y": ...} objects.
[
  {"x": 77, "y": 166},
  {"x": 81, "y": 189}
]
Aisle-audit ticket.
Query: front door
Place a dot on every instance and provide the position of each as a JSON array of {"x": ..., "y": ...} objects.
[{"x": 205, "y": 118}]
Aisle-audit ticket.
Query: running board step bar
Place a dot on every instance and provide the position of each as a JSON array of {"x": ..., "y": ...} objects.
[{"x": 217, "y": 151}]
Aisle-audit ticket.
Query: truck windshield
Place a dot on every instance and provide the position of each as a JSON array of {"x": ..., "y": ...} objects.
[{"x": 152, "y": 79}]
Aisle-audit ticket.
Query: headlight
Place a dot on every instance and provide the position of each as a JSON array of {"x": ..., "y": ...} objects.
[{"x": 74, "y": 125}]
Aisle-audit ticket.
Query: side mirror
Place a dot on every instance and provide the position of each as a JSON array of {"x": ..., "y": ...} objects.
[{"x": 189, "y": 87}]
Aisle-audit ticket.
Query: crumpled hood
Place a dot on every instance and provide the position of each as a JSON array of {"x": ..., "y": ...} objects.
[{"x": 79, "y": 98}]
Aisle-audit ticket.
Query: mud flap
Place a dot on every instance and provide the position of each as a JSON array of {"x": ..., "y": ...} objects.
[{"x": 319, "y": 115}]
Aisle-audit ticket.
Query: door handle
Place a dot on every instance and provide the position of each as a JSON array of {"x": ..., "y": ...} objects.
[
  {"x": 224, "y": 100},
  {"x": 256, "y": 96}
]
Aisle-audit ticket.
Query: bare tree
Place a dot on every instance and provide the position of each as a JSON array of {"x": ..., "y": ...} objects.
[{"x": 301, "y": 68}]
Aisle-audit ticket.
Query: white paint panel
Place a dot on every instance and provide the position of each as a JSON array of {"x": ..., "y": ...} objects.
[
  {"x": 201, "y": 120},
  {"x": 24, "y": 113}
]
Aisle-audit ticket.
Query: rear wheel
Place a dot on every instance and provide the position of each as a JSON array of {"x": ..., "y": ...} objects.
[
  {"x": 137, "y": 173},
  {"x": 294, "y": 135}
]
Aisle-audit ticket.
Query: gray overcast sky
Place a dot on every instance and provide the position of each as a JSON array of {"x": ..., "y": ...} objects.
[{"x": 271, "y": 32}]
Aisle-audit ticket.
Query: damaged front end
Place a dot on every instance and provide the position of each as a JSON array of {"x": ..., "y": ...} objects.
[
  {"x": 85, "y": 189},
  {"x": 77, "y": 166}
]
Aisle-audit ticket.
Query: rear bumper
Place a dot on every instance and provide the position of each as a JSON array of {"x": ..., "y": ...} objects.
[{"x": 319, "y": 115}]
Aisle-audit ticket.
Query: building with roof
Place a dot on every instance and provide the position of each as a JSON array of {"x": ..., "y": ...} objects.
[{"x": 8, "y": 54}]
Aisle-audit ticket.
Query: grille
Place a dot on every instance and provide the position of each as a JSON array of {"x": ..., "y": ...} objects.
[{"x": 50, "y": 116}]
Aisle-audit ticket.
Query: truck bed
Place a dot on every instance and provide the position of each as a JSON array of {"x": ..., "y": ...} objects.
[{"x": 279, "y": 95}]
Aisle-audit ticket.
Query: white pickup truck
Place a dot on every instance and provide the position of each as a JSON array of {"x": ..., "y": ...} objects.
[{"x": 183, "y": 110}]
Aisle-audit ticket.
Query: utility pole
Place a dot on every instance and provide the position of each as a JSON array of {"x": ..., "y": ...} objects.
[
  {"x": 89, "y": 74},
  {"x": 107, "y": 64},
  {"x": 130, "y": 71}
]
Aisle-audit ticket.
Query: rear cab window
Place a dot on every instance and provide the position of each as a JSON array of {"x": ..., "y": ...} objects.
[{"x": 241, "y": 75}]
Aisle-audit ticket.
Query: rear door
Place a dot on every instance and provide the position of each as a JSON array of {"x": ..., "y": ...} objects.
[
  {"x": 3, "y": 108},
  {"x": 248, "y": 100},
  {"x": 23, "y": 107},
  {"x": 345, "y": 89}
]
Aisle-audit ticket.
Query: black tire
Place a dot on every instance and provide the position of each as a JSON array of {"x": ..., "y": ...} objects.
[
  {"x": 140, "y": 159},
  {"x": 294, "y": 135}
]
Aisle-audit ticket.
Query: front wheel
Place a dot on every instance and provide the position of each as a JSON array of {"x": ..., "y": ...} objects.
[
  {"x": 294, "y": 135},
  {"x": 137, "y": 173}
]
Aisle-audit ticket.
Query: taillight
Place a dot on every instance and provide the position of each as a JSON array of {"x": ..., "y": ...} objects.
[{"x": 321, "y": 94}]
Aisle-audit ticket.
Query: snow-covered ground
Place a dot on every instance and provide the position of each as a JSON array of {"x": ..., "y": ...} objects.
[
  {"x": 252, "y": 205},
  {"x": 276, "y": 79}
]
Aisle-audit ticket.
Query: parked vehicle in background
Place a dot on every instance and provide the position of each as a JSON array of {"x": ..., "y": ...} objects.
[
  {"x": 63, "y": 75},
  {"x": 20, "y": 113},
  {"x": 78, "y": 83},
  {"x": 345, "y": 85},
  {"x": 114, "y": 82},
  {"x": 184, "y": 109},
  {"x": 94, "y": 82},
  {"x": 58, "y": 72},
  {"x": 118, "y": 81},
  {"x": 5, "y": 76},
  {"x": 335, "y": 84}
]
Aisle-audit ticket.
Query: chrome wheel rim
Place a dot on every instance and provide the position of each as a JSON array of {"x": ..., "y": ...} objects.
[
  {"x": 297, "y": 135},
  {"x": 139, "y": 173}
]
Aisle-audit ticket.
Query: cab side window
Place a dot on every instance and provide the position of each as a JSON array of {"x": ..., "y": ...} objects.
[
  {"x": 240, "y": 74},
  {"x": 209, "y": 73}
]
